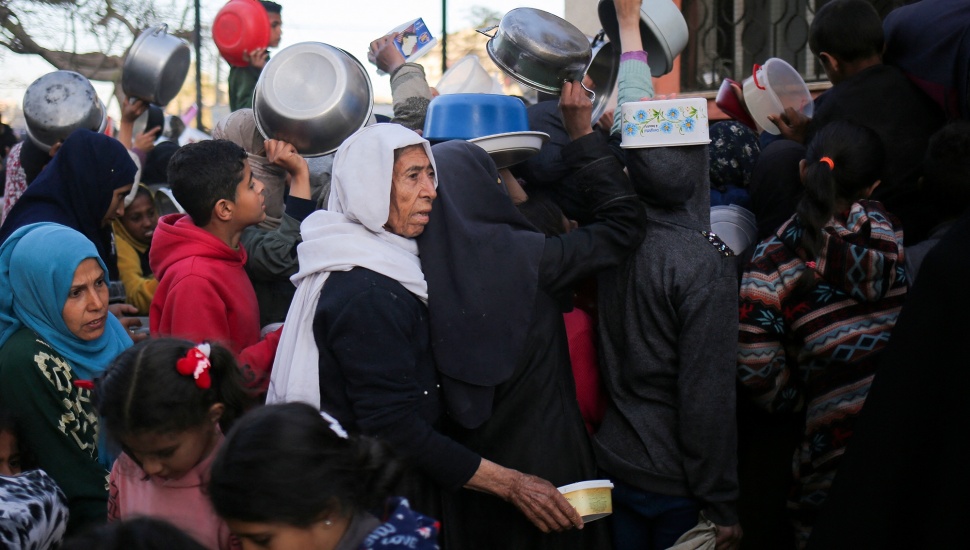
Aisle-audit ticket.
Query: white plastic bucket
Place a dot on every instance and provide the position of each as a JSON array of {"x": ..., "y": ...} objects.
[{"x": 772, "y": 88}]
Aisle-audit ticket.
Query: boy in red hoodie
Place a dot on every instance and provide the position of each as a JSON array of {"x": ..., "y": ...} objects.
[{"x": 203, "y": 290}]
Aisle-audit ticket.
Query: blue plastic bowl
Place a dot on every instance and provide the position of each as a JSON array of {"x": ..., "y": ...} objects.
[{"x": 469, "y": 116}]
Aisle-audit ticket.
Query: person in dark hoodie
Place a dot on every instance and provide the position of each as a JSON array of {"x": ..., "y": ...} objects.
[
  {"x": 819, "y": 301},
  {"x": 667, "y": 338}
]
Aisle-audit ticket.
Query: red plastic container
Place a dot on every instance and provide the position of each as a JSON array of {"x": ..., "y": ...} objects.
[
  {"x": 240, "y": 26},
  {"x": 731, "y": 106}
]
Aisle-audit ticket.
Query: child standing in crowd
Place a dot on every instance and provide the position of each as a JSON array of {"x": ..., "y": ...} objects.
[
  {"x": 818, "y": 303},
  {"x": 289, "y": 477},
  {"x": 166, "y": 402},
  {"x": 203, "y": 290},
  {"x": 133, "y": 239}
]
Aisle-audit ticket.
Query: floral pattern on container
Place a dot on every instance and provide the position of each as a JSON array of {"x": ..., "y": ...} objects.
[{"x": 682, "y": 120}]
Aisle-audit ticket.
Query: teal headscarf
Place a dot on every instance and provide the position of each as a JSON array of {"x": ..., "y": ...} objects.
[{"x": 37, "y": 265}]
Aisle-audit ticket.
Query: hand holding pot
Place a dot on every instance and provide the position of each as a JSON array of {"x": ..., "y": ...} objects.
[
  {"x": 628, "y": 18},
  {"x": 792, "y": 124},
  {"x": 576, "y": 109},
  {"x": 285, "y": 155},
  {"x": 132, "y": 108},
  {"x": 256, "y": 58}
]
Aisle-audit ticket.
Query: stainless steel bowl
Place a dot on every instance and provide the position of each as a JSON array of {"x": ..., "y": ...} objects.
[
  {"x": 156, "y": 66},
  {"x": 603, "y": 71},
  {"x": 539, "y": 49},
  {"x": 314, "y": 96},
  {"x": 58, "y": 103}
]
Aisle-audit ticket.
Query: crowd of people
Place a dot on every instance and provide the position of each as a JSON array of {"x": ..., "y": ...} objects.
[{"x": 419, "y": 351}]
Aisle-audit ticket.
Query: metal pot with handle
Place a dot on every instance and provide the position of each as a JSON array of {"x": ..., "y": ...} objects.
[
  {"x": 539, "y": 49},
  {"x": 156, "y": 66},
  {"x": 58, "y": 103}
]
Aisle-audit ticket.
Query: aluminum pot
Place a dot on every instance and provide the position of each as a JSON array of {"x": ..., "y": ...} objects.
[
  {"x": 663, "y": 31},
  {"x": 539, "y": 49},
  {"x": 314, "y": 96},
  {"x": 58, "y": 103},
  {"x": 603, "y": 71},
  {"x": 156, "y": 66}
]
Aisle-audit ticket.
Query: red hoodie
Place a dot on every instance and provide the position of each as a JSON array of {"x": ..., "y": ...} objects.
[{"x": 204, "y": 294}]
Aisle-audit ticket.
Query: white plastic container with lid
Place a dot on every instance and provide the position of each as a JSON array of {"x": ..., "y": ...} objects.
[
  {"x": 771, "y": 89},
  {"x": 592, "y": 499},
  {"x": 664, "y": 123}
]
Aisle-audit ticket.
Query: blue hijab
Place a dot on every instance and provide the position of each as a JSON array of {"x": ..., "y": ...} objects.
[
  {"x": 37, "y": 263},
  {"x": 76, "y": 189}
]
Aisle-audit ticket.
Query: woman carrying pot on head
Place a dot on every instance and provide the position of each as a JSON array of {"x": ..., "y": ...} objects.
[{"x": 56, "y": 336}]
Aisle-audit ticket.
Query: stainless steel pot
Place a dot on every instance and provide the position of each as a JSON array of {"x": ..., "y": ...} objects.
[
  {"x": 603, "y": 71},
  {"x": 539, "y": 49},
  {"x": 314, "y": 96},
  {"x": 156, "y": 66},
  {"x": 58, "y": 103}
]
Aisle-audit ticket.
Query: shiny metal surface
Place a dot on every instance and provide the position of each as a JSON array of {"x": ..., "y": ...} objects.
[
  {"x": 603, "y": 71},
  {"x": 314, "y": 96},
  {"x": 539, "y": 49},
  {"x": 156, "y": 66},
  {"x": 58, "y": 103}
]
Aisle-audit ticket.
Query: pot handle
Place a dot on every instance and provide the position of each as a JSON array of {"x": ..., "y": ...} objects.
[
  {"x": 160, "y": 29},
  {"x": 592, "y": 94},
  {"x": 486, "y": 29},
  {"x": 754, "y": 75},
  {"x": 598, "y": 39}
]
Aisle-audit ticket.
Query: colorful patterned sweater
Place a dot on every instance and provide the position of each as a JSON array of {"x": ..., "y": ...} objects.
[{"x": 814, "y": 347}]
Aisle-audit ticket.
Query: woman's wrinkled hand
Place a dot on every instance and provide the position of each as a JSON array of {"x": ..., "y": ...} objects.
[{"x": 543, "y": 504}]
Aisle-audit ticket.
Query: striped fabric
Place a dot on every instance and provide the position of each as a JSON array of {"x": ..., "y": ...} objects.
[{"x": 812, "y": 347}]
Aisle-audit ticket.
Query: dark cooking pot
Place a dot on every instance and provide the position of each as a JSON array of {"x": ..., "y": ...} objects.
[
  {"x": 539, "y": 49},
  {"x": 156, "y": 66}
]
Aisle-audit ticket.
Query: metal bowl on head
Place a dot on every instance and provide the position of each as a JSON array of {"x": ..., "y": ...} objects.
[
  {"x": 156, "y": 66},
  {"x": 58, "y": 103},
  {"x": 314, "y": 96},
  {"x": 539, "y": 49}
]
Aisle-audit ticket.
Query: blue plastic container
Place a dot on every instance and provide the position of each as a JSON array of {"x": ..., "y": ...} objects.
[{"x": 469, "y": 116}]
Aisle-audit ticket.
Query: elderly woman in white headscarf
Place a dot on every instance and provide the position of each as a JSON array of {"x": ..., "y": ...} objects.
[
  {"x": 356, "y": 340},
  {"x": 271, "y": 243}
]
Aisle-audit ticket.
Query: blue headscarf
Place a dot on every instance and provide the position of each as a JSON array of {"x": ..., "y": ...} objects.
[
  {"x": 76, "y": 189},
  {"x": 37, "y": 262}
]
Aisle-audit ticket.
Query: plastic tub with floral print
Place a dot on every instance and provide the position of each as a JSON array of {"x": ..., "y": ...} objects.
[{"x": 664, "y": 123}]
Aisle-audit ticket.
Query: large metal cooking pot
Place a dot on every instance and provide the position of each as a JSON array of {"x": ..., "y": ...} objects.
[
  {"x": 603, "y": 71},
  {"x": 314, "y": 96},
  {"x": 58, "y": 103},
  {"x": 663, "y": 31},
  {"x": 156, "y": 66},
  {"x": 539, "y": 49}
]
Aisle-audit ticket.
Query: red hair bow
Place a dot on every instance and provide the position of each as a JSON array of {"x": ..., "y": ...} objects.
[{"x": 196, "y": 364}]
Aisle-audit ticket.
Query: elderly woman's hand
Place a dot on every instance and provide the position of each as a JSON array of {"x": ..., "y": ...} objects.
[
  {"x": 543, "y": 504},
  {"x": 576, "y": 109}
]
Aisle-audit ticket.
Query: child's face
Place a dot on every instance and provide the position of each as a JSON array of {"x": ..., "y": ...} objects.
[
  {"x": 141, "y": 218},
  {"x": 9, "y": 455},
  {"x": 249, "y": 206},
  {"x": 171, "y": 455}
]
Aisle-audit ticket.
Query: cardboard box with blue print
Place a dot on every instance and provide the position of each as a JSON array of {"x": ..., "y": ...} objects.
[{"x": 414, "y": 39}]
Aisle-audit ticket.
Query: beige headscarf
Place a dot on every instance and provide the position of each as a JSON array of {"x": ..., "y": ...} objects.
[{"x": 240, "y": 128}]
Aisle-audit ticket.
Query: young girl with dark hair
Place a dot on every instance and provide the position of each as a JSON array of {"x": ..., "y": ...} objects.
[
  {"x": 289, "y": 478},
  {"x": 166, "y": 402},
  {"x": 818, "y": 303}
]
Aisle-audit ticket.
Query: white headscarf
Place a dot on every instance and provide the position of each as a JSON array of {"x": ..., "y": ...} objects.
[{"x": 349, "y": 234}]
